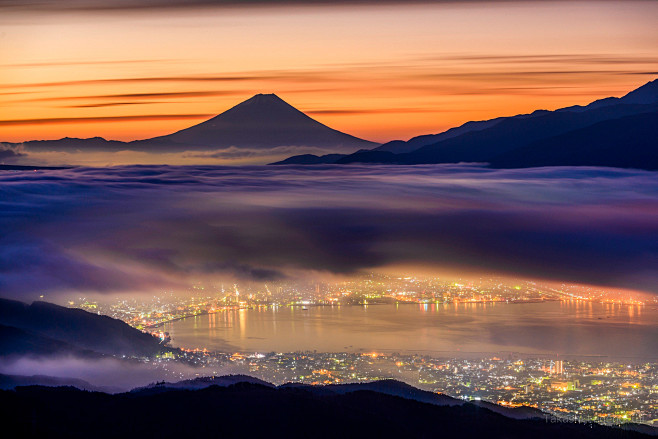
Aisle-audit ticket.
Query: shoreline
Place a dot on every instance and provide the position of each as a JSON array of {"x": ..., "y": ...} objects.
[{"x": 397, "y": 303}]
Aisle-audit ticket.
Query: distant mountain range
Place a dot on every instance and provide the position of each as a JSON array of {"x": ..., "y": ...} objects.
[
  {"x": 374, "y": 410},
  {"x": 10, "y": 382},
  {"x": 619, "y": 132},
  {"x": 386, "y": 387},
  {"x": 262, "y": 122},
  {"x": 46, "y": 329}
]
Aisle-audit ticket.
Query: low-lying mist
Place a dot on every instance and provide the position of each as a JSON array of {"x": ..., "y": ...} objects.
[
  {"x": 149, "y": 228},
  {"x": 109, "y": 374}
]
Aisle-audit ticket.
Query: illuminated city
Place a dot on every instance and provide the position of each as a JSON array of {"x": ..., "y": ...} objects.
[
  {"x": 329, "y": 219},
  {"x": 610, "y": 393},
  {"x": 368, "y": 290},
  {"x": 593, "y": 389}
]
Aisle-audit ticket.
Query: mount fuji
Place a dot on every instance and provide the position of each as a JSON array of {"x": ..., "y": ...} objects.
[
  {"x": 258, "y": 126},
  {"x": 263, "y": 121}
]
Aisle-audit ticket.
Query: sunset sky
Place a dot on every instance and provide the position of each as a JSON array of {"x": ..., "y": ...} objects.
[{"x": 129, "y": 70}]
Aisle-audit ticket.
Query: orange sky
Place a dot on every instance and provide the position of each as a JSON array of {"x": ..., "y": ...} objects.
[{"x": 378, "y": 72}]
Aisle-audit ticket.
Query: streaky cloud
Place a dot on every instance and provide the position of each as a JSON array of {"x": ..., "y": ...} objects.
[
  {"x": 136, "y": 5},
  {"x": 96, "y": 119}
]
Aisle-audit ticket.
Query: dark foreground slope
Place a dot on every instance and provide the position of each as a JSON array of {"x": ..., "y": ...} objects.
[
  {"x": 47, "y": 329},
  {"x": 252, "y": 410},
  {"x": 18, "y": 342},
  {"x": 10, "y": 382}
]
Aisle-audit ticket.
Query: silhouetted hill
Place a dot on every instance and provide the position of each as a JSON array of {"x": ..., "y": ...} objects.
[
  {"x": 401, "y": 147},
  {"x": 397, "y": 388},
  {"x": 202, "y": 383},
  {"x": 8, "y": 382},
  {"x": 76, "y": 328},
  {"x": 18, "y": 342},
  {"x": 254, "y": 410},
  {"x": 263, "y": 121},
  {"x": 72, "y": 144},
  {"x": 482, "y": 146},
  {"x": 507, "y": 138},
  {"x": 647, "y": 94},
  {"x": 629, "y": 142},
  {"x": 644, "y": 95},
  {"x": 371, "y": 157},
  {"x": 383, "y": 152},
  {"x": 310, "y": 159},
  {"x": 387, "y": 387}
]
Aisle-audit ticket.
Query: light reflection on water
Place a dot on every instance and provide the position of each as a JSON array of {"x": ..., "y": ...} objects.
[{"x": 568, "y": 328}]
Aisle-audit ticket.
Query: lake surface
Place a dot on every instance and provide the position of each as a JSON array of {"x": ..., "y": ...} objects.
[{"x": 565, "y": 328}]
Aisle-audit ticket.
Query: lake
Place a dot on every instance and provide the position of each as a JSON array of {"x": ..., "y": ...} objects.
[{"x": 570, "y": 328}]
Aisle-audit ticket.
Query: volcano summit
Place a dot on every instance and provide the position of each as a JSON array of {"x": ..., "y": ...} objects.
[
  {"x": 263, "y": 121},
  {"x": 257, "y": 126}
]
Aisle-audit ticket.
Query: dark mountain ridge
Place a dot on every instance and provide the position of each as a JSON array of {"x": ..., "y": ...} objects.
[
  {"x": 645, "y": 95},
  {"x": 400, "y": 146},
  {"x": 258, "y": 411},
  {"x": 626, "y": 143},
  {"x": 533, "y": 139},
  {"x": 9, "y": 382},
  {"x": 19, "y": 342},
  {"x": 53, "y": 329},
  {"x": 311, "y": 159},
  {"x": 512, "y": 134}
]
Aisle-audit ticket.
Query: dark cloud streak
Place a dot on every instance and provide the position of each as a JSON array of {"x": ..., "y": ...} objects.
[
  {"x": 92, "y": 119},
  {"x": 109, "y": 104},
  {"x": 151, "y": 95},
  {"x": 154, "y": 79},
  {"x": 137, "y": 5},
  {"x": 351, "y": 111}
]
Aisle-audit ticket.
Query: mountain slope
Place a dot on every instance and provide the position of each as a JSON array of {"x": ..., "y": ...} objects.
[
  {"x": 310, "y": 159},
  {"x": 263, "y": 121},
  {"x": 202, "y": 383},
  {"x": 8, "y": 382},
  {"x": 75, "y": 329},
  {"x": 18, "y": 342},
  {"x": 644, "y": 95},
  {"x": 387, "y": 387},
  {"x": 259, "y": 411},
  {"x": 629, "y": 142},
  {"x": 401, "y": 147},
  {"x": 515, "y": 133},
  {"x": 481, "y": 146}
]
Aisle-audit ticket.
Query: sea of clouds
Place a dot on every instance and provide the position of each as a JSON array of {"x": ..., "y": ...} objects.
[{"x": 143, "y": 228}]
